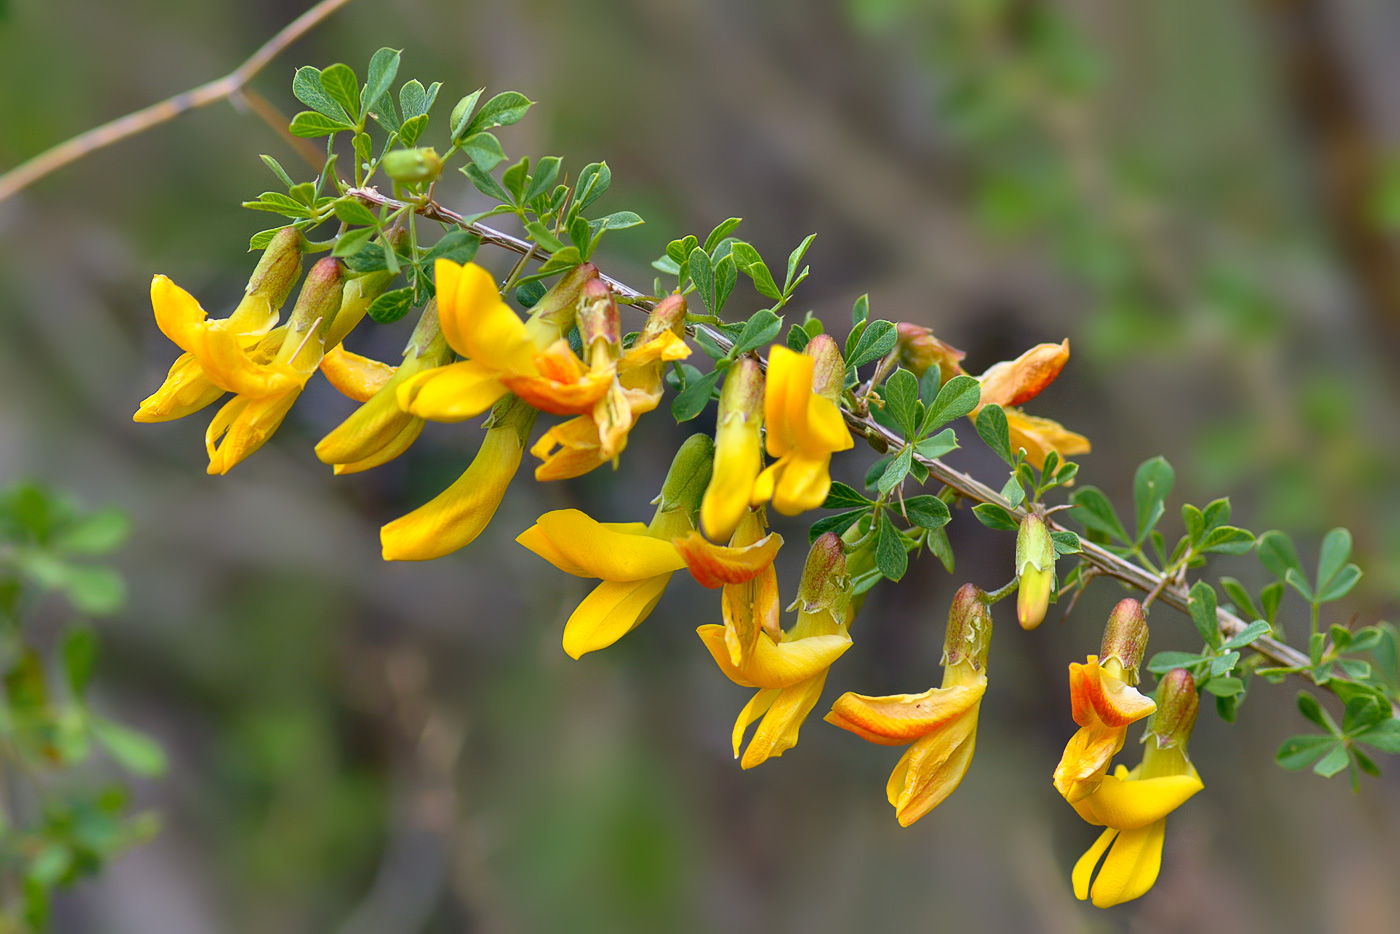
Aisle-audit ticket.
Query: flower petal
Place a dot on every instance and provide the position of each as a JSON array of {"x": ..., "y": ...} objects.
[
  {"x": 1131, "y": 867},
  {"x": 391, "y": 449},
  {"x": 353, "y": 375},
  {"x": 778, "y": 731},
  {"x": 611, "y": 611},
  {"x": 1013, "y": 382},
  {"x": 1040, "y": 436},
  {"x": 605, "y": 552},
  {"x": 187, "y": 389},
  {"x": 802, "y": 482},
  {"x": 717, "y": 565},
  {"x": 478, "y": 324},
  {"x": 931, "y": 769},
  {"x": 1097, "y": 696},
  {"x": 1128, "y": 805},
  {"x": 902, "y": 718},
  {"x": 756, "y": 707},
  {"x": 451, "y": 393},
  {"x": 1084, "y": 868},
  {"x": 775, "y": 665},
  {"x": 178, "y": 313}
]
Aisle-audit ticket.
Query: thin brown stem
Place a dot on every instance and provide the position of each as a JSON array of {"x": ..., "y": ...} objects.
[{"x": 81, "y": 145}]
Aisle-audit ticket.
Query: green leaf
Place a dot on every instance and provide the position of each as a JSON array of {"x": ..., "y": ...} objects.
[
  {"x": 96, "y": 534},
  {"x": 940, "y": 444},
  {"x": 1336, "y": 548},
  {"x": 1269, "y": 599},
  {"x": 703, "y": 275},
  {"x": 542, "y": 179},
  {"x": 761, "y": 329},
  {"x": 309, "y": 124},
  {"x": 1340, "y": 585},
  {"x": 135, "y": 751},
  {"x": 1247, "y": 636},
  {"x": 1164, "y": 662},
  {"x": 1227, "y": 540},
  {"x": 722, "y": 230},
  {"x": 1094, "y": 512},
  {"x": 383, "y": 67},
  {"x": 618, "y": 220},
  {"x": 875, "y": 341},
  {"x": 1384, "y": 736},
  {"x": 992, "y": 428},
  {"x": 1277, "y": 554},
  {"x": 901, "y": 394},
  {"x": 890, "y": 556},
  {"x": 842, "y": 496},
  {"x": 94, "y": 590},
  {"x": 592, "y": 182},
  {"x": 793, "y": 277},
  {"x": 1299, "y": 752},
  {"x": 1332, "y": 763},
  {"x": 79, "y": 658},
  {"x": 502, "y": 110},
  {"x": 1066, "y": 543},
  {"x": 995, "y": 517},
  {"x": 351, "y": 211},
  {"x": 277, "y": 170},
  {"x": 341, "y": 85},
  {"x": 462, "y": 112},
  {"x": 897, "y": 470},
  {"x": 797, "y": 338},
  {"x": 1151, "y": 486},
  {"x": 838, "y": 523},
  {"x": 412, "y": 128},
  {"x": 927, "y": 512},
  {"x": 1012, "y": 491},
  {"x": 1240, "y": 598},
  {"x": 691, "y": 400},
  {"x": 1295, "y": 579},
  {"x": 860, "y": 311},
  {"x": 413, "y": 100},
  {"x": 485, "y": 152},
  {"x": 1224, "y": 686},
  {"x": 725, "y": 276},
  {"x": 353, "y": 241},
  {"x": 1202, "y": 604},
  {"x": 747, "y": 260},
  {"x": 306, "y": 86},
  {"x": 261, "y": 239},
  {"x": 1309, "y": 707},
  {"x": 458, "y": 245},
  {"x": 958, "y": 397},
  {"x": 391, "y": 306},
  {"x": 486, "y": 184}
]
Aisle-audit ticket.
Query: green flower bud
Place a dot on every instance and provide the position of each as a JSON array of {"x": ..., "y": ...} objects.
[{"x": 413, "y": 165}]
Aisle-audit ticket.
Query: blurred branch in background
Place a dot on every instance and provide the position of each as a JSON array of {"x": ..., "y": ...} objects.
[{"x": 231, "y": 86}]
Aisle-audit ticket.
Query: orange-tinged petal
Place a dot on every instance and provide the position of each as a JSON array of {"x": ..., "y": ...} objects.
[
  {"x": 1130, "y": 804},
  {"x": 932, "y": 768},
  {"x": 611, "y": 611},
  {"x": 1040, "y": 436},
  {"x": 354, "y": 376},
  {"x": 605, "y": 552},
  {"x": 1013, "y": 382},
  {"x": 775, "y": 665},
  {"x": 717, "y": 565},
  {"x": 1095, "y": 694},
  {"x": 903, "y": 718},
  {"x": 457, "y": 515},
  {"x": 451, "y": 393},
  {"x": 568, "y": 391},
  {"x": 778, "y": 730}
]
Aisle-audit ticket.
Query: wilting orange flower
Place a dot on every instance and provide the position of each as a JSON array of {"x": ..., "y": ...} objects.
[
  {"x": 635, "y": 561},
  {"x": 805, "y": 425},
  {"x": 1014, "y": 382},
  {"x": 941, "y": 722},
  {"x": 589, "y": 441},
  {"x": 503, "y": 354}
]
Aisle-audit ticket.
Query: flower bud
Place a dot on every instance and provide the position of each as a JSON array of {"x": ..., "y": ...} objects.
[
  {"x": 360, "y": 292},
  {"x": 413, "y": 165},
  {"x": 1125, "y": 638},
  {"x": 599, "y": 326},
  {"x": 668, "y": 315},
  {"x": 1035, "y": 566},
  {"x": 969, "y": 628},
  {"x": 1177, "y": 706},
  {"x": 1013, "y": 382},
  {"x": 278, "y": 268},
  {"x": 686, "y": 480},
  {"x": 320, "y": 297},
  {"x": 738, "y": 449},
  {"x": 554, "y": 312},
  {"x": 829, "y": 371},
  {"x": 825, "y": 584},
  {"x": 918, "y": 350}
]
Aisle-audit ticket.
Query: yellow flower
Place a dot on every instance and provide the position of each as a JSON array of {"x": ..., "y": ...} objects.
[
  {"x": 1134, "y": 805},
  {"x": 789, "y": 668},
  {"x": 634, "y": 561},
  {"x": 187, "y": 387},
  {"x": 738, "y": 450},
  {"x": 503, "y": 354},
  {"x": 1104, "y": 702},
  {"x": 379, "y": 430},
  {"x": 456, "y": 516},
  {"x": 941, "y": 722},
  {"x": 1013, "y": 382},
  {"x": 588, "y": 441},
  {"x": 805, "y": 425}
]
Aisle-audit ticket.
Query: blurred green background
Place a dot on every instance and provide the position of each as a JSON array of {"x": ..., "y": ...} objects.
[{"x": 1200, "y": 195}]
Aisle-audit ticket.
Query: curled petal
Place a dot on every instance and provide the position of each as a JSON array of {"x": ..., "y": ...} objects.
[
  {"x": 1013, "y": 382},
  {"x": 1097, "y": 695},
  {"x": 355, "y": 376},
  {"x": 932, "y": 768},
  {"x": 604, "y": 551},
  {"x": 667, "y": 346},
  {"x": 1130, "y": 804},
  {"x": 562, "y": 386},
  {"x": 775, "y": 665},
  {"x": 611, "y": 611},
  {"x": 903, "y": 718},
  {"x": 717, "y": 565},
  {"x": 1086, "y": 759},
  {"x": 451, "y": 393}
]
